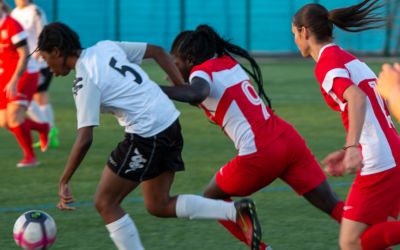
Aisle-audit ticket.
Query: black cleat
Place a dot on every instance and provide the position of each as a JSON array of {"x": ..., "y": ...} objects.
[{"x": 246, "y": 219}]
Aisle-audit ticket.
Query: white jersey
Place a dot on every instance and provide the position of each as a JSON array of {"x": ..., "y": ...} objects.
[
  {"x": 32, "y": 19},
  {"x": 109, "y": 80}
]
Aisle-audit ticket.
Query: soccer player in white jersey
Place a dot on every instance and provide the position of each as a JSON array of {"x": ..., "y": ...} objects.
[
  {"x": 33, "y": 19},
  {"x": 268, "y": 147},
  {"x": 372, "y": 147},
  {"x": 389, "y": 87},
  {"x": 109, "y": 79}
]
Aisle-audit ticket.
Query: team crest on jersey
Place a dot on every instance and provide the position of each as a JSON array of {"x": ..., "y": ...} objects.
[
  {"x": 76, "y": 87},
  {"x": 4, "y": 34}
]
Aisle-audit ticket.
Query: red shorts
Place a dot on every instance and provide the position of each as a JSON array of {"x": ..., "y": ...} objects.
[
  {"x": 26, "y": 87},
  {"x": 287, "y": 157},
  {"x": 373, "y": 198}
]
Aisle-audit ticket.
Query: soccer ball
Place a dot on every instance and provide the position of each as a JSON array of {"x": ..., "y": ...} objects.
[{"x": 35, "y": 229}]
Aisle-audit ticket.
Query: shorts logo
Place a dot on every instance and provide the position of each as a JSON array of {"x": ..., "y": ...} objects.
[
  {"x": 345, "y": 208},
  {"x": 137, "y": 161},
  {"x": 112, "y": 161}
]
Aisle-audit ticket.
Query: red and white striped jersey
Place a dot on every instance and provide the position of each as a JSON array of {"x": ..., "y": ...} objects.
[
  {"x": 336, "y": 70},
  {"x": 11, "y": 35},
  {"x": 235, "y": 106}
]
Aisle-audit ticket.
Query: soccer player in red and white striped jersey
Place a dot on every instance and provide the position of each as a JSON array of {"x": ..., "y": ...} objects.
[
  {"x": 372, "y": 147},
  {"x": 268, "y": 147},
  {"x": 17, "y": 86}
]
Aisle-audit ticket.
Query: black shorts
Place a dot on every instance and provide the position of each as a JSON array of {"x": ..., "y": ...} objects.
[
  {"x": 138, "y": 159},
  {"x": 45, "y": 76}
]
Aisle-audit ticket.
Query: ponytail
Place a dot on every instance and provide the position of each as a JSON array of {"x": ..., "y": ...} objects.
[
  {"x": 204, "y": 43},
  {"x": 355, "y": 18}
]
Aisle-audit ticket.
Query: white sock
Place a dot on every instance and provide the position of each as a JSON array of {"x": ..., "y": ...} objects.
[
  {"x": 125, "y": 234},
  {"x": 48, "y": 111},
  {"x": 35, "y": 113},
  {"x": 197, "y": 207}
]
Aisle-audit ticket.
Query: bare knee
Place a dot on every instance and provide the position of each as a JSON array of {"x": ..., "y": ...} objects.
[
  {"x": 350, "y": 243},
  {"x": 161, "y": 207},
  {"x": 104, "y": 205}
]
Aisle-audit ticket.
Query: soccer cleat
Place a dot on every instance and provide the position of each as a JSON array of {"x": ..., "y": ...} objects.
[
  {"x": 246, "y": 219},
  {"x": 27, "y": 162},
  {"x": 44, "y": 139},
  {"x": 53, "y": 137}
]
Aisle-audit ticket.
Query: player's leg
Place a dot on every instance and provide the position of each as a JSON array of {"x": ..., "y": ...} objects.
[
  {"x": 306, "y": 177},
  {"x": 22, "y": 133},
  {"x": 372, "y": 200},
  {"x": 159, "y": 203},
  {"x": 44, "y": 108},
  {"x": 111, "y": 191},
  {"x": 350, "y": 233},
  {"x": 3, "y": 118},
  {"x": 243, "y": 176}
]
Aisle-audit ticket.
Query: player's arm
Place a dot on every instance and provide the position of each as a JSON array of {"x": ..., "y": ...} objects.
[
  {"x": 81, "y": 146},
  {"x": 166, "y": 63},
  {"x": 389, "y": 87},
  {"x": 356, "y": 101},
  {"x": 194, "y": 93},
  {"x": 136, "y": 52},
  {"x": 22, "y": 50},
  {"x": 87, "y": 101}
]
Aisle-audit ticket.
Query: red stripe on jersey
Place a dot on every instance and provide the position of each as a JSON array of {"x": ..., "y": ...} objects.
[
  {"x": 382, "y": 114},
  {"x": 215, "y": 64}
]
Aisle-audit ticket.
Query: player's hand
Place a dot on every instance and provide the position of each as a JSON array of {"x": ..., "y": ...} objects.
[
  {"x": 11, "y": 89},
  {"x": 66, "y": 197},
  {"x": 389, "y": 80},
  {"x": 352, "y": 160},
  {"x": 333, "y": 163}
]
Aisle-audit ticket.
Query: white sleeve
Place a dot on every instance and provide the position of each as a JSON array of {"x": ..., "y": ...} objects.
[
  {"x": 200, "y": 74},
  {"x": 87, "y": 101},
  {"x": 134, "y": 51}
]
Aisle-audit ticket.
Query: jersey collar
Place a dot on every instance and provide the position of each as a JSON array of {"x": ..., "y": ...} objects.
[{"x": 323, "y": 48}]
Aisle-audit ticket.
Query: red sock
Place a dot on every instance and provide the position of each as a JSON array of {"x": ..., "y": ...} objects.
[
  {"x": 24, "y": 138},
  {"x": 381, "y": 236},
  {"x": 40, "y": 127},
  {"x": 337, "y": 212},
  {"x": 233, "y": 229}
]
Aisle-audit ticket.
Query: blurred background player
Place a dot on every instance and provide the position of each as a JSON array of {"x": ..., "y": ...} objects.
[
  {"x": 389, "y": 87},
  {"x": 268, "y": 147},
  {"x": 372, "y": 147},
  {"x": 32, "y": 18},
  {"x": 17, "y": 85},
  {"x": 109, "y": 80}
]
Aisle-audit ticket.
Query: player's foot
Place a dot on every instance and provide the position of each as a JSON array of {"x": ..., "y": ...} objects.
[
  {"x": 44, "y": 138},
  {"x": 246, "y": 219},
  {"x": 27, "y": 162},
  {"x": 264, "y": 246},
  {"x": 53, "y": 137}
]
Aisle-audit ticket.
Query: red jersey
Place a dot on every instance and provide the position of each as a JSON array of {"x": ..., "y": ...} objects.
[
  {"x": 335, "y": 71},
  {"x": 235, "y": 106},
  {"x": 12, "y": 36}
]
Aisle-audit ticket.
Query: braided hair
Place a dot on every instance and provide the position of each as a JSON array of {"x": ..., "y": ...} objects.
[
  {"x": 60, "y": 36},
  {"x": 204, "y": 43}
]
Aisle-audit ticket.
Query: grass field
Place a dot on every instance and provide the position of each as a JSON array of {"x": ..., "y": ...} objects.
[{"x": 288, "y": 221}]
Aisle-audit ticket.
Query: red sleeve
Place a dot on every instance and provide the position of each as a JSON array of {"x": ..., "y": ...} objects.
[
  {"x": 340, "y": 85},
  {"x": 17, "y": 34}
]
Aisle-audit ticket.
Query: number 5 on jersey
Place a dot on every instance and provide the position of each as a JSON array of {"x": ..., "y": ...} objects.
[{"x": 123, "y": 69}]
